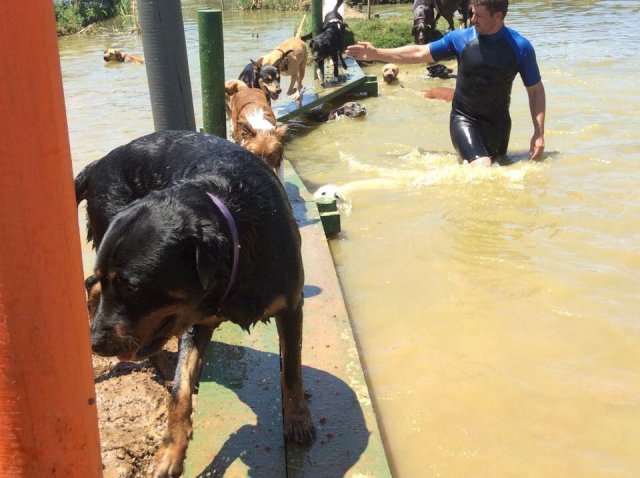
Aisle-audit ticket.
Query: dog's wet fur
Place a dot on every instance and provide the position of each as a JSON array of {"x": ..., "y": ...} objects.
[
  {"x": 164, "y": 261},
  {"x": 438, "y": 70}
]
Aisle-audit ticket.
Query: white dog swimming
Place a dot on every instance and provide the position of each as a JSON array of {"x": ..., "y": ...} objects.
[{"x": 343, "y": 193}]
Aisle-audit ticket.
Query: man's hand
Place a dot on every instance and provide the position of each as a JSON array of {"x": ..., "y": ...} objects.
[
  {"x": 361, "y": 51},
  {"x": 536, "y": 147}
]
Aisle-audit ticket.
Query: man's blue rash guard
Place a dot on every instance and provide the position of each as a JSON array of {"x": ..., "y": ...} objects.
[{"x": 487, "y": 66}]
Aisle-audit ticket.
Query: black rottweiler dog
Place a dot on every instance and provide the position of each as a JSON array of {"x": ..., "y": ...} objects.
[
  {"x": 329, "y": 43},
  {"x": 266, "y": 77},
  {"x": 192, "y": 230}
]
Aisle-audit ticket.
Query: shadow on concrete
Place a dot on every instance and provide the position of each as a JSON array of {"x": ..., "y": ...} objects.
[{"x": 342, "y": 435}]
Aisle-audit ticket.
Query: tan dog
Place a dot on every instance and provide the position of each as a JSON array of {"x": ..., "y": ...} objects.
[
  {"x": 254, "y": 125},
  {"x": 390, "y": 73},
  {"x": 439, "y": 93},
  {"x": 113, "y": 54},
  {"x": 294, "y": 64}
]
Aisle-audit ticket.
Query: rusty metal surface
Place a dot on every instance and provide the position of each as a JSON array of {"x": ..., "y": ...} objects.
[{"x": 238, "y": 420}]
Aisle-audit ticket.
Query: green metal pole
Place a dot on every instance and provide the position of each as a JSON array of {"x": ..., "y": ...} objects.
[
  {"x": 316, "y": 16},
  {"x": 212, "y": 71}
]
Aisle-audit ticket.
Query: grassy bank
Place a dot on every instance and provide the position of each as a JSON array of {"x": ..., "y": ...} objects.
[{"x": 74, "y": 15}]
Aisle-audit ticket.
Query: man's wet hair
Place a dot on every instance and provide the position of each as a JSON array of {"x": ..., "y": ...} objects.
[{"x": 493, "y": 6}]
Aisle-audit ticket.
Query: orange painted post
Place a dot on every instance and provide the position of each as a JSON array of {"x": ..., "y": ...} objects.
[{"x": 48, "y": 419}]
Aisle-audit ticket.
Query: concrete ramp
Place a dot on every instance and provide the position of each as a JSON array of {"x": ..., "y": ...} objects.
[{"x": 238, "y": 416}]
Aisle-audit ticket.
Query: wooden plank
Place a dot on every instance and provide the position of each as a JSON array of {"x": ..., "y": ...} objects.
[{"x": 317, "y": 95}]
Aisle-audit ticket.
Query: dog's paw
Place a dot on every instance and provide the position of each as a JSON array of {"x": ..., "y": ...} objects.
[
  {"x": 298, "y": 427},
  {"x": 168, "y": 462}
]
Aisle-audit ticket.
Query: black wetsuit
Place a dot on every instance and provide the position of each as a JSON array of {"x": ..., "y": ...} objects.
[{"x": 487, "y": 65}]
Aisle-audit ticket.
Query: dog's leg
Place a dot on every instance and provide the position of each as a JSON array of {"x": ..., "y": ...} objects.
[
  {"x": 344, "y": 63},
  {"x": 170, "y": 457},
  {"x": 164, "y": 366},
  {"x": 298, "y": 426},
  {"x": 320, "y": 71},
  {"x": 336, "y": 67}
]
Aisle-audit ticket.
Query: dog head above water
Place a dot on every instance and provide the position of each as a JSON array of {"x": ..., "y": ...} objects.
[
  {"x": 390, "y": 72},
  {"x": 119, "y": 56},
  {"x": 112, "y": 54},
  {"x": 350, "y": 109}
]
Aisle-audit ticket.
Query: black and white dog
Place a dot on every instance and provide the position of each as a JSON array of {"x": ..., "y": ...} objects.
[{"x": 329, "y": 43}]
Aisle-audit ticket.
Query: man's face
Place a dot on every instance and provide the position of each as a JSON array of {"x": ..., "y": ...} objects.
[{"x": 485, "y": 22}]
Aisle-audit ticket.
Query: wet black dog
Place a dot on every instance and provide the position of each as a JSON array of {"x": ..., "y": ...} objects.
[
  {"x": 266, "y": 77},
  {"x": 350, "y": 109},
  {"x": 192, "y": 230},
  {"x": 440, "y": 71},
  {"x": 329, "y": 43}
]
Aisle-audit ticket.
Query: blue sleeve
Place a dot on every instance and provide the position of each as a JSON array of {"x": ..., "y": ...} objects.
[
  {"x": 452, "y": 42},
  {"x": 529, "y": 71},
  {"x": 526, "y": 55}
]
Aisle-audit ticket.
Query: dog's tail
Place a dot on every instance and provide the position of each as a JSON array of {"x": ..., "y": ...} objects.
[
  {"x": 304, "y": 17},
  {"x": 338, "y": 3},
  {"x": 82, "y": 182}
]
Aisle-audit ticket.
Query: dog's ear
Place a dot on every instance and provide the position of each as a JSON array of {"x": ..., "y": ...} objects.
[
  {"x": 210, "y": 249},
  {"x": 257, "y": 65},
  {"x": 280, "y": 131}
]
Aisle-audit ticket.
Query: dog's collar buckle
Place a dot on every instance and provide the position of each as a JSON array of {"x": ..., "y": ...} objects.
[{"x": 235, "y": 238}]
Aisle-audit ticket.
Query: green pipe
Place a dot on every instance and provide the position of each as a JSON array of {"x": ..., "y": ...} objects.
[
  {"x": 212, "y": 71},
  {"x": 316, "y": 16}
]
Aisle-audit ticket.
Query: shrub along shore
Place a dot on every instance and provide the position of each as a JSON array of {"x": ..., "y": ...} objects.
[{"x": 81, "y": 16}]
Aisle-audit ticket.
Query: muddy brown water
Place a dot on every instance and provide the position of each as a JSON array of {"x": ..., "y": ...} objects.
[{"x": 496, "y": 310}]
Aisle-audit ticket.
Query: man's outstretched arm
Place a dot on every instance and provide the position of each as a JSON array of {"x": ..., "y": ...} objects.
[
  {"x": 403, "y": 54},
  {"x": 537, "y": 105}
]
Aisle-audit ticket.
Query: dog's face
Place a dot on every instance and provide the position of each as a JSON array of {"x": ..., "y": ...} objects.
[
  {"x": 350, "y": 109},
  {"x": 154, "y": 267},
  {"x": 390, "y": 72},
  {"x": 423, "y": 24},
  {"x": 269, "y": 81},
  {"x": 112, "y": 54}
]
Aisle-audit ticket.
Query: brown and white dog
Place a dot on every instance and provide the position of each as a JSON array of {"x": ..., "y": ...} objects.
[
  {"x": 295, "y": 62},
  {"x": 390, "y": 73},
  {"x": 439, "y": 93},
  {"x": 113, "y": 54},
  {"x": 254, "y": 125}
]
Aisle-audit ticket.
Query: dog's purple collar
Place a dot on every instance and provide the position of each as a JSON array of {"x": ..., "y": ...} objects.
[{"x": 236, "y": 242}]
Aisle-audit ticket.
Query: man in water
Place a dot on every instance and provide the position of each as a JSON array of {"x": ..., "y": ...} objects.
[{"x": 489, "y": 57}]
